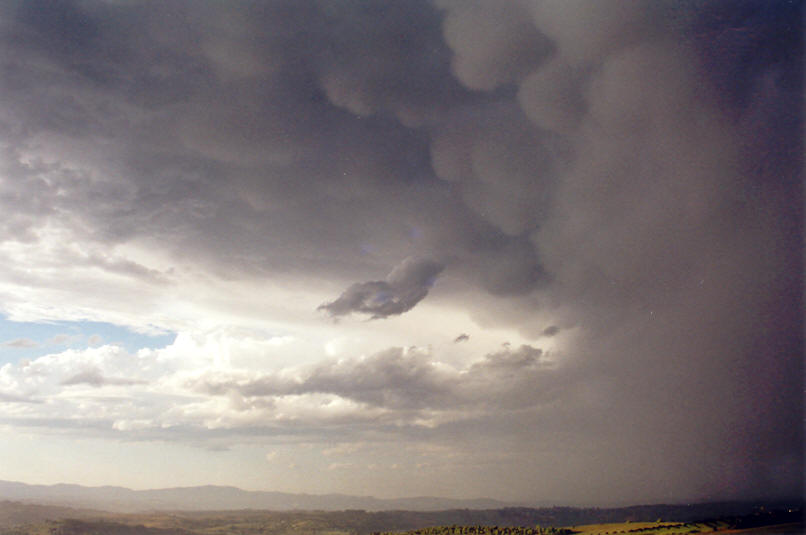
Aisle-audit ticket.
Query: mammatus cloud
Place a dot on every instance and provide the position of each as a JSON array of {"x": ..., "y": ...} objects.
[{"x": 403, "y": 288}]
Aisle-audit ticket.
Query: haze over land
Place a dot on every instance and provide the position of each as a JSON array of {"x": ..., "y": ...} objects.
[
  {"x": 532, "y": 250},
  {"x": 221, "y": 498}
]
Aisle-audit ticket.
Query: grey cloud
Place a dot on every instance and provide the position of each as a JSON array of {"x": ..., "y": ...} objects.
[
  {"x": 374, "y": 62},
  {"x": 403, "y": 288},
  {"x": 411, "y": 380},
  {"x": 583, "y": 32},
  {"x": 196, "y": 153},
  {"x": 500, "y": 163},
  {"x": 494, "y": 43},
  {"x": 523, "y": 357},
  {"x": 516, "y": 379},
  {"x": 223, "y": 159},
  {"x": 97, "y": 379},
  {"x": 513, "y": 268},
  {"x": 95, "y": 426},
  {"x": 14, "y": 398},
  {"x": 641, "y": 259},
  {"x": 19, "y": 343},
  {"x": 128, "y": 268},
  {"x": 393, "y": 378},
  {"x": 60, "y": 339},
  {"x": 550, "y": 331},
  {"x": 552, "y": 97},
  {"x": 24, "y": 209},
  {"x": 263, "y": 386},
  {"x": 652, "y": 105}
]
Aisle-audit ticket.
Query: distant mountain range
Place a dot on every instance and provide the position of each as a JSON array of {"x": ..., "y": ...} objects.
[{"x": 209, "y": 497}]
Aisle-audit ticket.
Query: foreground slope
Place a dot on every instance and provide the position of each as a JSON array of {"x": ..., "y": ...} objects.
[{"x": 513, "y": 521}]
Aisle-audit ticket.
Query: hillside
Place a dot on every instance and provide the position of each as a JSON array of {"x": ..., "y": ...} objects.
[
  {"x": 16, "y": 513},
  {"x": 210, "y": 497},
  {"x": 511, "y": 521}
]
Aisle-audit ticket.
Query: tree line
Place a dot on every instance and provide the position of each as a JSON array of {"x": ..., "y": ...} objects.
[{"x": 482, "y": 530}]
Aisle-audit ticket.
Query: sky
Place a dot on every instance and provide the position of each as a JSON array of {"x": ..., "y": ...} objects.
[{"x": 534, "y": 250}]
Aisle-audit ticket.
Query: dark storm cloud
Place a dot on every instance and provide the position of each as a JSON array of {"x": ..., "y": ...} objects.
[
  {"x": 678, "y": 128},
  {"x": 201, "y": 125},
  {"x": 403, "y": 288},
  {"x": 494, "y": 43},
  {"x": 627, "y": 170},
  {"x": 228, "y": 116},
  {"x": 649, "y": 235}
]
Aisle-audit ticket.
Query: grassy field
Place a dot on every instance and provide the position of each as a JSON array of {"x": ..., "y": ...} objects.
[
  {"x": 722, "y": 527},
  {"x": 675, "y": 528},
  {"x": 651, "y": 528}
]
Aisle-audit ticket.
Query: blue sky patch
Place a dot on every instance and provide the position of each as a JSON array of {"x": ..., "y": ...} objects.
[{"x": 19, "y": 340}]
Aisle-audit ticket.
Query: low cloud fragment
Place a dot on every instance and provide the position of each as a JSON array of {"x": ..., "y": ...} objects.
[
  {"x": 13, "y": 398},
  {"x": 59, "y": 339},
  {"x": 21, "y": 343},
  {"x": 510, "y": 361},
  {"x": 97, "y": 379},
  {"x": 403, "y": 288},
  {"x": 550, "y": 331}
]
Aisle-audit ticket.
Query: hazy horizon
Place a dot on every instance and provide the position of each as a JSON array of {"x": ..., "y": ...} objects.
[
  {"x": 228, "y": 497},
  {"x": 527, "y": 250}
]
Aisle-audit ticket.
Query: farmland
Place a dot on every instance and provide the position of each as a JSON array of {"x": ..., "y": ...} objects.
[{"x": 29, "y": 519}]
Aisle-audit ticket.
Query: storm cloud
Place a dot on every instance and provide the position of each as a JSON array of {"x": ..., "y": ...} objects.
[
  {"x": 614, "y": 186},
  {"x": 405, "y": 286}
]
